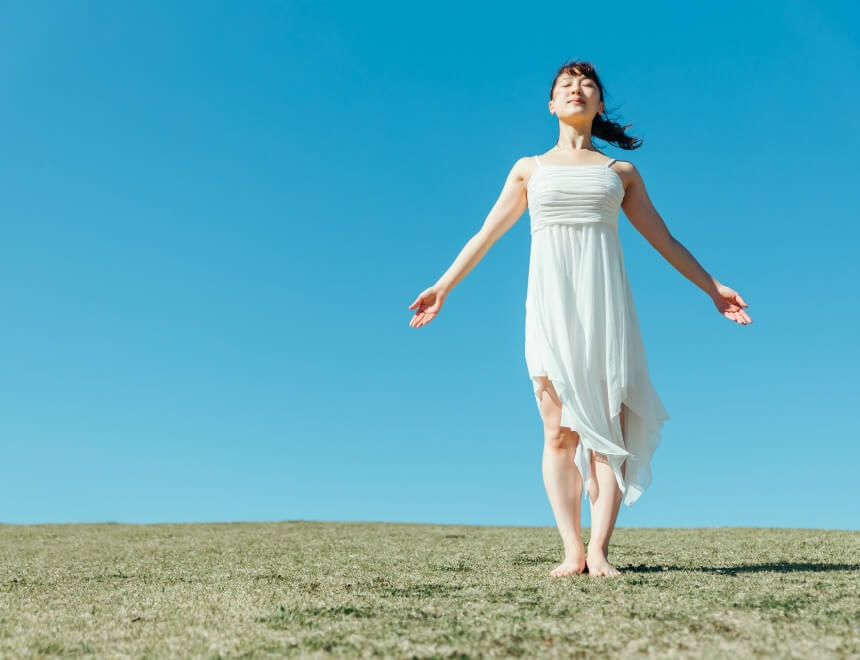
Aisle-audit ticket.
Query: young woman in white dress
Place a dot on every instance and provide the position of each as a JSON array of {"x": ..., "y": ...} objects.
[{"x": 576, "y": 98}]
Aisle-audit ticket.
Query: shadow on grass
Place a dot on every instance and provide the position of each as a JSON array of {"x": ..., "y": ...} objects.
[{"x": 770, "y": 567}]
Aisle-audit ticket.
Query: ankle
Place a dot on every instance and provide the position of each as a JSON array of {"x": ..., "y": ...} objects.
[
  {"x": 574, "y": 548},
  {"x": 598, "y": 546}
]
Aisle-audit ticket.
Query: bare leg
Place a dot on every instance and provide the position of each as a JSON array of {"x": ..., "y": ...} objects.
[
  {"x": 605, "y": 498},
  {"x": 562, "y": 480}
]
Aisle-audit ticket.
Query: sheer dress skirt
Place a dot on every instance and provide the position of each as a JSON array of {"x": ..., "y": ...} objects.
[{"x": 582, "y": 332}]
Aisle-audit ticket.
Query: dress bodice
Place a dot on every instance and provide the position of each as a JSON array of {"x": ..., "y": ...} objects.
[{"x": 574, "y": 194}]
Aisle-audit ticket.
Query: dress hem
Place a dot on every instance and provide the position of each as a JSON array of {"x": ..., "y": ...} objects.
[{"x": 639, "y": 430}]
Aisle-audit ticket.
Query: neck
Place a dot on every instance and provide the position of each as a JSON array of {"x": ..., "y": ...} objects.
[{"x": 572, "y": 138}]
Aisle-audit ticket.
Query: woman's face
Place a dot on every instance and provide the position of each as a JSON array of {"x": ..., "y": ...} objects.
[{"x": 575, "y": 96}]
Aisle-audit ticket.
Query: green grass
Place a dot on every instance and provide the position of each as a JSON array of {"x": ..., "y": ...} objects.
[{"x": 421, "y": 591}]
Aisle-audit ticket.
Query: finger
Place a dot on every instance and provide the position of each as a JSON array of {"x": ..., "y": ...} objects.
[{"x": 741, "y": 300}]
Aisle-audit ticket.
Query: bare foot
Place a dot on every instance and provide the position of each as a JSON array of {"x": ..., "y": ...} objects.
[
  {"x": 574, "y": 563},
  {"x": 598, "y": 564}
]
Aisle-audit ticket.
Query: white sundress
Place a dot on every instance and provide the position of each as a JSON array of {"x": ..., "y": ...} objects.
[{"x": 581, "y": 327}]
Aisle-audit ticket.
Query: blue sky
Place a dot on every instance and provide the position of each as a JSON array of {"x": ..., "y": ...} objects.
[{"x": 214, "y": 217}]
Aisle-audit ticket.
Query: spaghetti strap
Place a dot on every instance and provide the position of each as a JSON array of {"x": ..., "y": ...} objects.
[
  {"x": 609, "y": 164},
  {"x": 538, "y": 161}
]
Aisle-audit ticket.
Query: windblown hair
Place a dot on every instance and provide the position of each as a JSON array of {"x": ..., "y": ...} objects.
[{"x": 602, "y": 127}]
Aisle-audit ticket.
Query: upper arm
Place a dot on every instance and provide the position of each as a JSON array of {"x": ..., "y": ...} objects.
[
  {"x": 639, "y": 209},
  {"x": 510, "y": 205}
]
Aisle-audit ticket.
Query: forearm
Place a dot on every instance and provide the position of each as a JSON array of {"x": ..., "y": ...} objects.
[
  {"x": 685, "y": 263},
  {"x": 474, "y": 250}
]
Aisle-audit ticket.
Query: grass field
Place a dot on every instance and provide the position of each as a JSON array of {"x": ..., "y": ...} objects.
[{"x": 409, "y": 590}]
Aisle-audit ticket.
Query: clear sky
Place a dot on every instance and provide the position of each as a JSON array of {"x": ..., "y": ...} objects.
[{"x": 215, "y": 215}]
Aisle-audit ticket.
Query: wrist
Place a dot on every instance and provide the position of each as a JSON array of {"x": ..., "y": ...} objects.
[
  {"x": 713, "y": 287},
  {"x": 442, "y": 288}
]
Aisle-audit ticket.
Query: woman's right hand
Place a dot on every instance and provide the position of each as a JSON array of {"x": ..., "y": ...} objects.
[{"x": 426, "y": 305}]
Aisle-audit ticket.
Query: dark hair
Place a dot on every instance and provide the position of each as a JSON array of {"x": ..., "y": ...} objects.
[{"x": 602, "y": 127}]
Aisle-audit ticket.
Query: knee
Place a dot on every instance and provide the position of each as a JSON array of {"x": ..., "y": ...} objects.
[{"x": 560, "y": 438}]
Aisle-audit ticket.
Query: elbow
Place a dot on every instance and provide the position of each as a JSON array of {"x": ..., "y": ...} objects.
[
  {"x": 485, "y": 238},
  {"x": 665, "y": 242}
]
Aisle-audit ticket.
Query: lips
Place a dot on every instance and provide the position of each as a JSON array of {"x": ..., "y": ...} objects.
[{"x": 576, "y": 101}]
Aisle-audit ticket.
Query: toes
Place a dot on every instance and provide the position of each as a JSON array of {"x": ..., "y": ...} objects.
[
  {"x": 562, "y": 572},
  {"x": 569, "y": 568},
  {"x": 606, "y": 570}
]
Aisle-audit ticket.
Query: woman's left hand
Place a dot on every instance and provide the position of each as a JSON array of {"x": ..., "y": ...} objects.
[{"x": 730, "y": 304}]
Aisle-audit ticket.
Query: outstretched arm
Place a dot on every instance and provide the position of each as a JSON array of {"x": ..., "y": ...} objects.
[
  {"x": 509, "y": 207},
  {"x": 642, "y": 215}
]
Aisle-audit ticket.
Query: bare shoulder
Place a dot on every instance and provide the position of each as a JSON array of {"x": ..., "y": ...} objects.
[
  {"x": 626, "y": 171},
  {"x": 523, "y": 169},
  {"x": 525, "y": 165}
]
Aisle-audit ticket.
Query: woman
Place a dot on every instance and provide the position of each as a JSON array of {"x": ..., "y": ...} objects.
[{"x": 584, "y": 352}]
